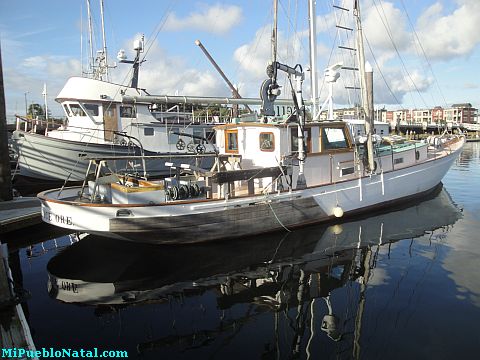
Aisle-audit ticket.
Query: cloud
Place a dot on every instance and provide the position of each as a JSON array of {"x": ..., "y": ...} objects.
[
  {"x": 446, "y": 36},
  {"x": 217, "y": 19},
  {"x": 252, "y": 58},
  {"x": 164, "y": 73},
  {"x": 470, "y": 85},
  {"x": 29, "y": 76}
]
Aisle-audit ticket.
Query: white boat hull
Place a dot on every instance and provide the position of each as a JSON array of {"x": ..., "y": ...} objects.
[
  {"x": 47, "y": 158},
  {"x": 202, "y": 220}
]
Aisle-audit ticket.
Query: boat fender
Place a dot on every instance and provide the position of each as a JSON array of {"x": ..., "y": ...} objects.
[{"x": 338, "y": 211}]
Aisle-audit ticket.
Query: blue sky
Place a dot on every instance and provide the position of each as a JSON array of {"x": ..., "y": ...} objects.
[{"x": 41, "y": 44}]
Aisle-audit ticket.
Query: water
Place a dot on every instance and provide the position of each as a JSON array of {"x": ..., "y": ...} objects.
[{"x": 401, "y": 285}]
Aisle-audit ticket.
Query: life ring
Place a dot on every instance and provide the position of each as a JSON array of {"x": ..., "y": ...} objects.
[
  {"x": 200, "y": 149},
  {"x": 180, "y": 144},
  {"x": 191, "y": 146}
]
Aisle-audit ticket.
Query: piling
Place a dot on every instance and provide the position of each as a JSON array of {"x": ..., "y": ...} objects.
[
  {"x": 5, "y": 173},
  {"x": 14, "y": 329}
]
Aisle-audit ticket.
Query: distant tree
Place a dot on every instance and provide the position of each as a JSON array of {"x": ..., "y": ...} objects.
[{"x": 35, "y": 110}]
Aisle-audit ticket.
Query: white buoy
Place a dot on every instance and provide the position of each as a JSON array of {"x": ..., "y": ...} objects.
[{"x": 338, "y": 211}]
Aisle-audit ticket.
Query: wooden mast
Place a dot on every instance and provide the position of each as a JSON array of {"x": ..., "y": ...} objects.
[{"x": 367, "y": 97}]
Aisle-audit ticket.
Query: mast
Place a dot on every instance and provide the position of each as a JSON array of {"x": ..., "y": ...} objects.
[
  {"x": 274, "y": 39},
  {"x": 104, "y": 41},
  {"x": 363, "y": 81},
  {"x": 91, "y": 59},
  {"x": 313, "y": 55}
]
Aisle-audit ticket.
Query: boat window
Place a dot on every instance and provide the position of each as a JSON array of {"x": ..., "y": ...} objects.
[
  {"x": 231, "y": 141},
  {"x": 333, "y": 138},
  {"x": 398, "y": 161},
  {"x": 127, "y": 111},
  {"x": 92, "y": 109},
  {"x": 67, "y": 110},
  {"x": 347, "y": 171},
  {"x": 210, "y": 135},
  {"x": 173, "y": 138},
  {"x": 306, "y": 139},
  {"x": 267, "y": 141},
  {"x": 76, "y": 110},
  {"x": 148, "y": 131},
  {"x": 198, "y": 132}
]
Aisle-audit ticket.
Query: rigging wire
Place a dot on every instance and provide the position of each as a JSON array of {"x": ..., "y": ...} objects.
[
  {"x": 424, "y": 54},
  {"x": 384, "y": 21},
  {"x": 382, "y": 75}
]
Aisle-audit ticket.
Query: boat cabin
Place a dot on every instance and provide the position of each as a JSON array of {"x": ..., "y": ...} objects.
[
  {"x": 274, "y": 144},
  {"x": 96, "y": 114}
]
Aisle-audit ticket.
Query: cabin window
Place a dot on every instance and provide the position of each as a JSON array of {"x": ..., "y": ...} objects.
[
  {"x": 127, "y": 111},
  {"x": 76, "y": 110},
  {"x": 92, "y": 109},
  {"x": 148, "y": 131},
  {"x": 197, "y": 132},
  {"x": 267, "y": 141},
  {"x": 231, "y": 141},
  {"x": 347, "y": 171},
  {"x": 306, "y": 139},
  {"x": 333, "y": 138},
  {"x": 210, "y": 135},
  {"x": 67, "y": 110},
  {"x": 398, "y": 161},
  {"x": 173, "y": 138}
]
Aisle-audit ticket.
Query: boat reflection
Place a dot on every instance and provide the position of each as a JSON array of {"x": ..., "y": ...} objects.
[{"x": 274, "y": 273}]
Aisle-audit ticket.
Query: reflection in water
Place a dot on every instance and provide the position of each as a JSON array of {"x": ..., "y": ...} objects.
[{"x": 291, "y": 278}]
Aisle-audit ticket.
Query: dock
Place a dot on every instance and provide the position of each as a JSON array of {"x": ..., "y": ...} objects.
[
  {"x": 14, "y": 330},
  {"x": 19, "y": 213}
]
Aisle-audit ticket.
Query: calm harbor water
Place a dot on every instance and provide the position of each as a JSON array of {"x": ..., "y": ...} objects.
[{"x": 397, "y": 285}]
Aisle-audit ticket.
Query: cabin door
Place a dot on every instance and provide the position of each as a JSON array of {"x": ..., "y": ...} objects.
[{"x": 110, "y": 122}]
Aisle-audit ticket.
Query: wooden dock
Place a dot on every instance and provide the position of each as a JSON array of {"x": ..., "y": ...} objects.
[
  {"x": 14, "y": 329},
  {"x": 19, "y": 213}
]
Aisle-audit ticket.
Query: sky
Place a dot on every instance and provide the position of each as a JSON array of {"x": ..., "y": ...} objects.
[{"x": 424, "y": 53}]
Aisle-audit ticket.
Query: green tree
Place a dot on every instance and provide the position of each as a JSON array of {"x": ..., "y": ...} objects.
[{"x": 35, "y": 110}]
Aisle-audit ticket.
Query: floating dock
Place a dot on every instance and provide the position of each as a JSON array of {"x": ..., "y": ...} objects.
[{"x": 19, "y": 213}]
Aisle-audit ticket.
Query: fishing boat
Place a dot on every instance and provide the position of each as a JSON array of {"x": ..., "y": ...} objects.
[
  {"x": 269, "y": 175},
  {"x": 103, "y": 271},
  {"x": 98, "y": 124}
]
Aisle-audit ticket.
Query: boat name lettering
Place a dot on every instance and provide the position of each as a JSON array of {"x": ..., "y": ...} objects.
[
  {"x": 61, "y": 219},
  {"x": 69, "y": 286}
]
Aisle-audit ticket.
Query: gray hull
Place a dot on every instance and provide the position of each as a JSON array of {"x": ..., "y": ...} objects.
[{"x": 46, "y": 158}]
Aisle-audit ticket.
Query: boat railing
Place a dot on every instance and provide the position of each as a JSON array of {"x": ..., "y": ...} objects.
[
  {"x": 196, "y": 116},
  {"x": 33, "y": 125}
]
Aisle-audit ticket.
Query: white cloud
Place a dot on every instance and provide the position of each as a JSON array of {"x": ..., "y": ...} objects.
[
  {"x": 216, "y": 19},
  {"x": 446, "y": 36},
  {"x": 163, "y": 73},
  {"x": 252, "y": 58}
]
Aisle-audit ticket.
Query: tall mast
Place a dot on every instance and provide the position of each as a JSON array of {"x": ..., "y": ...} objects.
[
  {"x": 313, "y": 55},
  {"x": 363, "y": 84},
  {"x": 274, "y": 38},
  {"x": 104, "y": 41},
  {"x": 91, "y": 59}
]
